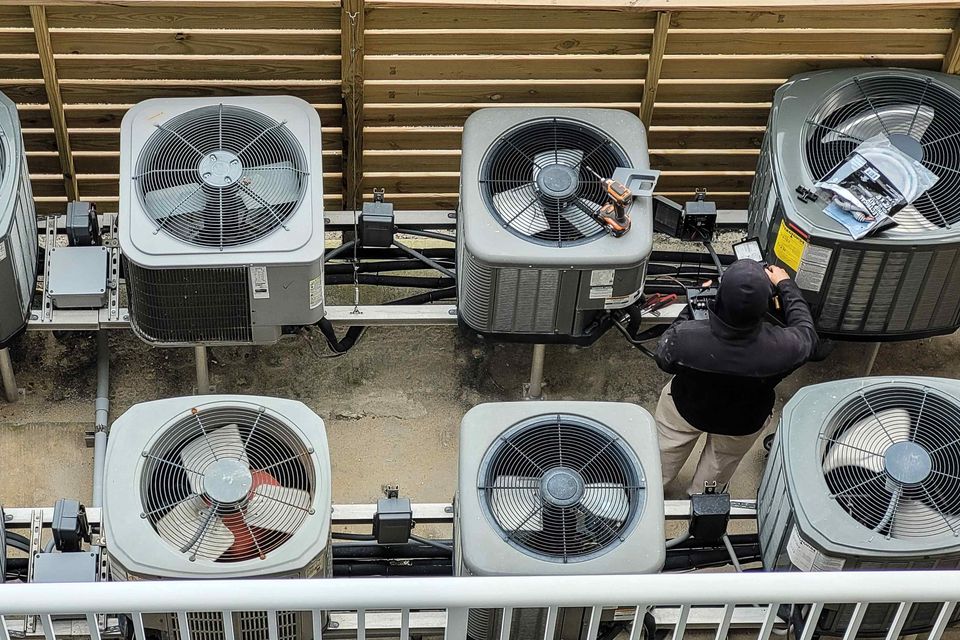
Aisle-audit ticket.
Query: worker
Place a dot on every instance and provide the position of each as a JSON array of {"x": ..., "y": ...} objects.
[{"x": 725, "y": 371}]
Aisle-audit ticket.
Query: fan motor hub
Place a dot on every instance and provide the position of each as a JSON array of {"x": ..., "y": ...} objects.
[
  {"x": 220, "y": 168},
  {"x": 558, "y": 180},
  {"x": 562, "y": 487},
  {"x": 227, "y": 481},
  {"x": 908, "y": 145},
  {"x": 907, "y": 462}
]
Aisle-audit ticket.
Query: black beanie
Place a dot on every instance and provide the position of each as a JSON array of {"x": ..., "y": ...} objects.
[{"x": 744, "y": 295}]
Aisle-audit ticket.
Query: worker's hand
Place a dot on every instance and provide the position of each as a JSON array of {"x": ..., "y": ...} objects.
[
  {"x": 706, "y": 284},
  {"x": 776, "y": 274}
]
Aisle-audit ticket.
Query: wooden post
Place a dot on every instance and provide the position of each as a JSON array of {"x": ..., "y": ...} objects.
[
  {"x": 39, "y": 18},
  {"x": 951, "y": 60},
  {"x": 351, "y": 74},
  {"x": 654, "y": 64}
]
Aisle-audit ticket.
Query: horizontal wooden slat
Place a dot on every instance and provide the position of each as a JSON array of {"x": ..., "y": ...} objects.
[
  {"x": 195, "y": 41},
  {"x": 406, "y": 91},
  {"x": 256, "y": 67},
  {"x": 507, "y": 41},
  {"x": 812, "y": 19},
  {"x": 483, "y": 67},
  {"x": 583, "y": 17},
  {"x": 783, "y": 66},
  {"x": 193, "y": 17},
  {"x": 717, "y": 114},
  {"x": 23, "y": 89},
  {"x": 109, "y": 115},
  {"x": 132, "y": 91},
  {"x": 807, "y": 41},
  {"x": 20, "y": 65},
  {"x": 17, "y": 40},
  {"x": 420, "y": 114}
]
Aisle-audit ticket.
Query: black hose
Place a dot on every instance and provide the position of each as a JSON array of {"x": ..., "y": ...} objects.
[
  {"x": 433, "y": 543},
  {"x": 338, "y": 535},
  {"x": 690, "y": 257},
  {"x": 430, "y": 296},
  {"x": 428, "y": 234},
  {"x": 389, "y": 281},
  {"x": 381, "y": 266},
  {"x": 17, "y": 542},
  {"x": 393, "y": 253}
]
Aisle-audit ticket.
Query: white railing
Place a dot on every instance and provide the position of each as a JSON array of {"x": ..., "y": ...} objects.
[{"x": 440, "y": 606}]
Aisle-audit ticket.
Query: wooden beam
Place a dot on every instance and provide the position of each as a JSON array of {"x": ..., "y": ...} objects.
[
  {"x": 951, "y": 60},
  {"x": 654, "y": 64},
  {"x": 38, "y": 16},
  {"x": 351, "y": 74}
]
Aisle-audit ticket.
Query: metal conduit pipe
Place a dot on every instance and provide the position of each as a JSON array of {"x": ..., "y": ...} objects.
[{"x": 102, "y": 417}]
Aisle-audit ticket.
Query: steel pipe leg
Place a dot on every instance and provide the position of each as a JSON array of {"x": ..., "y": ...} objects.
[
  {"x": 9, "y": 379},
  {"x": 534, "y": 388},
  {"x": 871, "y": 358},
  {"x": 203, "y": 372}
]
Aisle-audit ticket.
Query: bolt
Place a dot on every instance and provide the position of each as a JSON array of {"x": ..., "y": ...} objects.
[{"x": 213, "y": 157}]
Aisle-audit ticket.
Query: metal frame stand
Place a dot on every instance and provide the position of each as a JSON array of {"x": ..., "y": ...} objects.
[
  {"x": 203, "y": 371},
  {"x": 533, "y": 390},
  {"x": 10, "y": 391},
  {"x": 872, "y": 351}
]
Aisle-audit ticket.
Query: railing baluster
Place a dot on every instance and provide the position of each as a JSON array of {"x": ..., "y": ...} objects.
[
  {"x": 138, "y": 629},
  {"x": 317, "y": 616},
  {"x": 4, "y": 634},
  {"x": 456, "y": 623},
  {"x": 184, "y": 625},
  {"x": 636, "y": 629},
  {"x": 551, "y": 628},
  {"x": 855, "y": 620},
  {"x": 898, "y": 620},
  {"x": 228, "y": 632},
  {"x": 93, "y": 628},
  {"x": 724, "y": 625},
  {"x": 361, "y": 624},
  {"x": 946, "y": 612},
  {"x": 813, "y": 617},
  {"x": 405, "y": 624},
  {"x": 768, "y": 622},
  {"x": 681, "y": 622},
  {"x": 47, "y": 623},
  {"x": 594, "y": 629},
  {"x": 273, "y": 628},
  {"x": 505, "y": 623}
]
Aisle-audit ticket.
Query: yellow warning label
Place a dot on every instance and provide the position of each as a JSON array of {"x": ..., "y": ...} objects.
[{"x": 789, "y": 247}]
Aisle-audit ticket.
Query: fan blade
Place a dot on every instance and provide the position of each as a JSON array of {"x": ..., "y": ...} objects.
[
  {"x": 224, "y": 442},
  {"x": 914, "y": 519},
  {"x": 517, "y": 211},
  {"x": 580, "y": 219},
  {"x": 910, "y": 220},
  {"x": 176, "y": 201},
  {"x": 270, "y": 184},
  {"x": 277, "y": 508},
  {"x": 569, "y": 157},
  {"x": 606, "y": 500},
  {"x": 863, "y": 444},
  {"x": 513, "y": 500},
  {"x": 185, "y": 520},
  {"x": 896, "y": 118}
]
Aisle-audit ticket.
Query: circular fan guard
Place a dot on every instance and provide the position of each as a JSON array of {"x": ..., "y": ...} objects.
[
  {"x": 227, "y": 484},
  {"x": 917, "y": 113},
  {"x": 891, "y": 459},
  {"x": 534, "y": 178},
  {"x": 221, "y": 176},
  {"x": 562, "y": 488}
]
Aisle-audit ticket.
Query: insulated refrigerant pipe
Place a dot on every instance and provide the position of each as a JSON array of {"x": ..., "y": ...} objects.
[
  {"x": 9, "y": 379},
  {"x": 102, "y": 417}
]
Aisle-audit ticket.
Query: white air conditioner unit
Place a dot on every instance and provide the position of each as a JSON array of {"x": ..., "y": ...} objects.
[
  {"x": 556, "y": 488},
  {"x": 219, "y": 487},
  {"x": 221, "y": 218}
]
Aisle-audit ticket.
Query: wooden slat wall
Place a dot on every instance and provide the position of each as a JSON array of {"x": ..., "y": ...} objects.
[{"x": 427, "y": 65}]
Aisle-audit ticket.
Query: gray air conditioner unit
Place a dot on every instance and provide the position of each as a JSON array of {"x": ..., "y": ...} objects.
[
  {"x": 904, "y": 282},
  {"x": 219, "y": 487},
  {"x": 863, "y": 475},
  {"x": 532, "y": 263},
  {"x": 221, "y": 218},
  {"x": 556, "y": 488},
  {"x": 18, "y": 227}
]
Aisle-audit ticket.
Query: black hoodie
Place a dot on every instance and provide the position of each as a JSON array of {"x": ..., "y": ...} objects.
[{"x": 726, "y": 368}]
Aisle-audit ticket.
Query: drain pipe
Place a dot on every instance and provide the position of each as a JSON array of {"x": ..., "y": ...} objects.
[{"x": 102, "y": 416}]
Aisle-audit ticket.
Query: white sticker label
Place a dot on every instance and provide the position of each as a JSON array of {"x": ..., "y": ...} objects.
[
  {"x": 3, "y": 251},
  {"x": 806, "y": 557},
  {"x": 316, "y": 292},
  {"x": 602, "y": 278},
  {"x": 813, "y": 267},
  {"x": 258, "y": 279},
  {"x": 622, "y": 301},
  {"x": 600, "y": 292}
]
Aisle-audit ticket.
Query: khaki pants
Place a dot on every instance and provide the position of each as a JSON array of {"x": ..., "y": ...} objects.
[{"x": 720, "y": 456}]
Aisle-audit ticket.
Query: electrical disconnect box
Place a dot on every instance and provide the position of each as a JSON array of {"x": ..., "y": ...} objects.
[{"x": 78, "y": 277}]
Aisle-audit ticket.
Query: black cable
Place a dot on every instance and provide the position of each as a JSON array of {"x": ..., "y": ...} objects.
[
  {"x": 389, "y": 281},
  {"x": 383, "y": 266},
  {"x": 432, "y": 543},
  {"x": 17, "y": 542},
  {"x": 427, "y": 234},
  {"x": 352, "y": 536}
]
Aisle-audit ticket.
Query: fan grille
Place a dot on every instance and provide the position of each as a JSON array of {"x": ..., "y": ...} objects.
[
  {"x": 562, "y": 488},
  {"x": 903, "y": 105},
  {"x": 535, "y": 179},
  {"x": 221, "y": 176},
  {"x": 271, "y": 447},
  {"x": 891, "y": 458}
]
